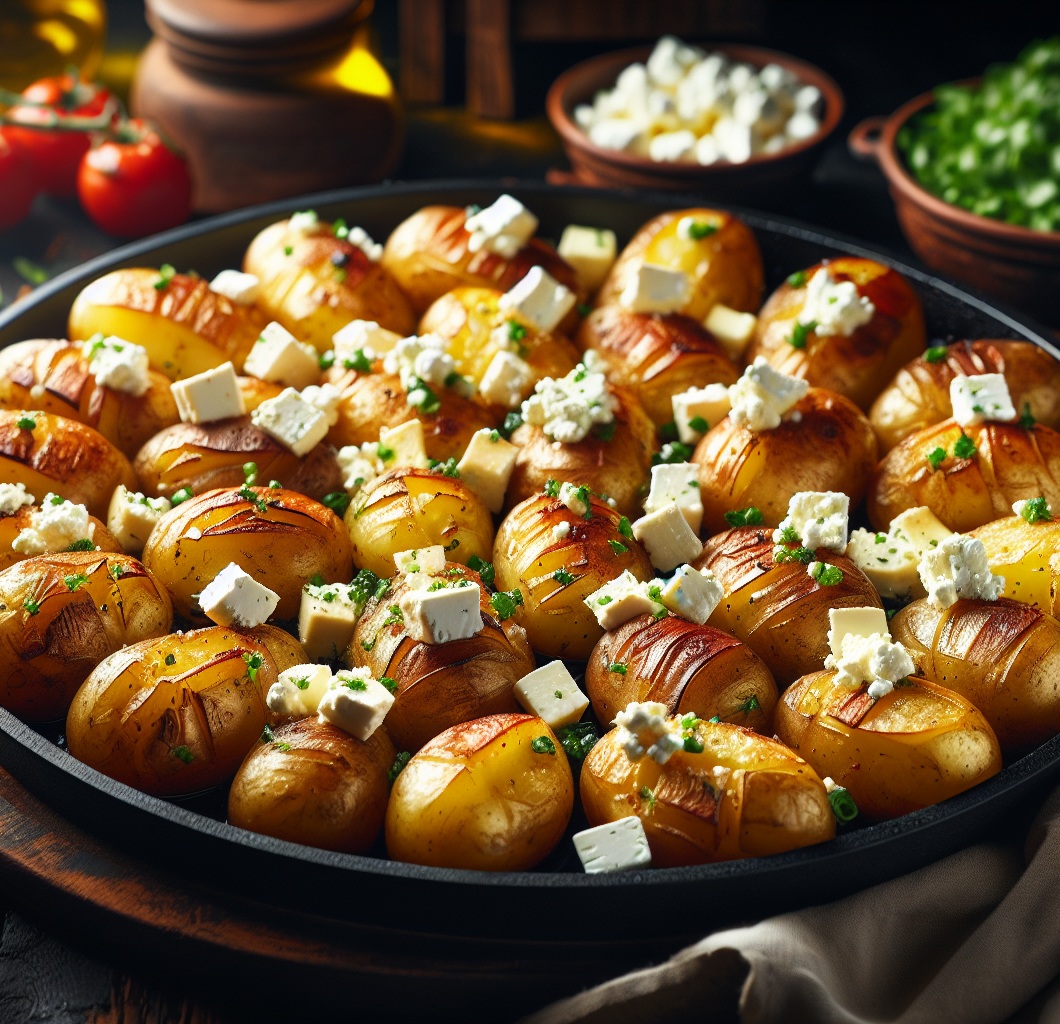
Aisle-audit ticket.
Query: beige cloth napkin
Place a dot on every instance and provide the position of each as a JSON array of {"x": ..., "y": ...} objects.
[{"x": 972, "y": 939}]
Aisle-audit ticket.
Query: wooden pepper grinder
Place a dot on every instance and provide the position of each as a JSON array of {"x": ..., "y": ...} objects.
[{"x": 269, "y": 98}]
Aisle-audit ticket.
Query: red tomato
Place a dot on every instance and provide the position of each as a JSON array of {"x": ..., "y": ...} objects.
[
  {"x": 137, "y": 187},
  {"x": 16, "y": 183}
]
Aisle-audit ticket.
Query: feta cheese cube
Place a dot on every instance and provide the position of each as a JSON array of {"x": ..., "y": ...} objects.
[
  {"x": 359, "y": 335},
  {"x": 872, "y": 659},
  {"x": 407, "y": 444},
  {"x": 327, "y": 616},
  {"x": 292, "y": 421},
  {"x": 208, "y": 396},
  {"x": 615, "y": 846},
  {"x": 503, "y": 228},
  {"x": 551, "y": 693},
  {"x": 854, "y": 622},
  {"x": 486, "y": 467},
  {"x": 981, "y": 398},
  {"x": 326, "y": 398},
  {"x": 819, "y": 518},
  {"x": 958, "y": 569},
  {"x": 668, "y": 147},
  {"x": 620, "y": 600},
  {"x": 436, "y": 617},
  {"x": 707, "y": 406},
  {"x": 890, "y": 560},
  {"x": 691, "y": 594},
  {"x": 132, "y": 516},
  {"x": 426, "y": 559},
  {"x": 54, "y": 527},
  {"x": 676, "y": 482},
  {"x": 734, "y": 139},
  {"x": 13, "y": 497},
  {"x": 590, "y": 251},
  {"x": 240, "y": 288},
  {"x": 732, "y": 328},
  {"x": 505, "y": 380},
  {"x": 298, "y": 690},
  {"x": 234, "y": 598},
  {"x": 281, "y": 359},
  {"x": 656, "y": 289},
  {"x": 539, "y": 299},
  {"x": 305, "y": 222},
  {"x": 372, "y": 249},
  {"x": 119, "y": 364},
  {"x": 762, "y": 396},
  {"x": 614, "y": 133},
  {"x": 667, "y": 537},
  {"x": 807, "y": 97},
  {"x": 834, "y": 307},
  {"x": 355, "y": 702}
]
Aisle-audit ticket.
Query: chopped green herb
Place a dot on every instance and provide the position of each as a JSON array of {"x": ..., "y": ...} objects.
[
  {"x": 716, "y": 720},
  {"x": 26, "y": 423},
  {"x": 964, "y": 448},
  {"x": 843, "y": 806},
  {"x": 327, "y": 359},
  {"x": 619, "y": 668},
  {"x": 339, "y": 229},
  {"x": 543, "y": 745},
  {"x": 516, "y": 331},
  {"x": 936, "y": 457},
  {"x": 551, "y": 488},
  {"x": 180, "y": 496},
  {"x": 84, "y": 544},
  {"x": 828, "y": 575},
  {"x": 800, "y": 554},
  {"x": 512, "y": 422},
  {"x": 253, "y": 663},
  {"x": 1036, "y": 510},
  {"x": 1027, "y": 419},
  {"x": 267, "y": 735},
  {"x": 384, "y": 453},
  {"x": 183, "y": 754},
  {"x": 358, "y": 361},
  {"x": 798, "y": 279},
  {"x": 302, "y": 683},
  {"x": 338, "y": 502},
  {"x": 447, "y": 468},
  {"x": 288, "y": 249},
  {"x": 583, "y": 309},
  {"x": 505, "y": 602},
  {"x": 624, "y": 528},
  {"x": 692, "y": 745},
  {"x": 700, "y": 229},
  {"x": 483, "y": 568},
  {"x": 604, "y": 431},
  {"x": 749, "y": 705},
  {"x": 668, "y": 432},
  {"x": 936, "y": 354},
  {"x": 30, "y": 272},
  {"x": 577, "y": 739},
  {"x": 800, "y": 332},
  {"x": 563, "y": 577},
  {"x": 355, "y": 684},
  {"x": 452, "y": 545},
  {"x": 369, "y": 644},
  {"x": 275, "y": 485},
  {"x": 395, "y": 617},
  {"x": 254, "y": 498},
  {"x": 420, "y": 396},
  {"x": 789, "y": 535},
  {"x": 660, "y": 613},
  {"x": 699, "y": 425},
  {"x": 646, "y": 794},
  {"x": 389, "y": 684},
  {"x": 116, "y": 571},
  {"x": 398, "y": 766},
  {"x": 250, "y": 472},
  {"x": 749, "y": 516},
  {"x": 76, "y": 581},
  {"x": 617, "y": 548},
  {"x": 672, "y": 451},
  {"x": 171, "y": 659},
  {"x": 30, "y": 606},
  {"x": 166, "y": 272}
]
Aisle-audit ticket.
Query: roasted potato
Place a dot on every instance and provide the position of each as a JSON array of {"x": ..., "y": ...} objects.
[
  {"x": 491, "y": 795},
  {"x": 62, "y": 456},
  {"x": 828, "y": 446},
  {"x": 919, "y": 395},
  {"x": 1026, "y": 554},
  {"x": 777, "y": 608},
  {"x": 256, "y": 391},
  {"x": 314, "y": 784},
  {"x": 415, "y": 508},
  {"x": 173, "y": 715},
  {"x": 857, "y": 366},
  {"x": 285, "y": 649},
  {"x": 724, "y": 265},
  {"x": 743, "y": 796},
  {"x": 185, "y": 327},
  {"x": 919, "y": 744},
  {"x": 12, "y": 525},
  {"x": 528, "y": 556}
]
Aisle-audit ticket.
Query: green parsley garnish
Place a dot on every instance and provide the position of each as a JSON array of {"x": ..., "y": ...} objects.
[
  {"x": 1036, "y": 510},
  {"x": 749, "y": 516},
  {"x": 543, "y": 745},
  {"x": 964, "y": 448},
  {"x": 258, "y": 502},
  {"x": 512, "y": 422},
  {"x": 935, "y": 354},
  {"x": 183, "y": 754},
  {"x": 699, "y": 425},
  {"x": 617, "y": 548},
  {"x": 827, "y": 575},
  {"x": 355, "y": 684},
  {"x": 798, "y": 279},
  {"x": 483, "y": 568},
  {"x": 516, "y": 331},
  {"x": 800, "y": 554},
  {"x": 452, "y": 545},
  {"x": 646, "y": 794},
  {"x": 115, "y": 571},
  {"x": 505, "y": 602},
  {"x": 26, "y": 423},
  {"x": 250, "y": 472},
  {"x": 563, "y": 577},
  {"x": 275, "y": 485},
  {"x": 604, "y": 431},
  {"x": 692, "y": 745},
  {"x": 551, "y": 488},
  {"x": 253, "y": 663},
  {"x": 936, "y": 457},
  {"x": 358, "y": 361},
  {"x": 171, "y": 659},
  {"x": 398, "y": 766},
  {"x": 843, "y": 806},
  {"x": 389, "y": 684},
  {"x": 395, "y": 617},
  {"x": 789, "y": 535},
  {"x": 672, "y": 451},
  {"x": 800, "y": 332},
  {"x": 368, "y": 644},
  {"x": 338, "y": 502},
  {"x": 421, "y": 397},
  {"x": 583, "y": 309},
  {"x": 30, "y": 606},
  {"x": 326, "y": 359},
  {"x": 76, "y": 581},
  {"x": 749, "y": 705},
  {"x": 619, "y": 668},
  {"x": 700, "y": 229},
  {"x": 384, "y": 453},
  {"x": 447, "y": 468},
  {"x": 84, "y": 544},
  {"x": 1027, "y": 419},
  {"x": 179, "y": 496},
  {"x": 166, "y": 273},
  {"x": 577, "y": 739},
  {"x": 302, "y": 683},
  {"x": 288, "y": 249},
  {"x": 339, "y": 229},
  {"x": 624, "y": 528}
]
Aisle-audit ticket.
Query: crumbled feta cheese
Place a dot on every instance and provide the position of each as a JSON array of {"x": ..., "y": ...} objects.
[
  {"x": 980, "y": 398},
  {"x": 669, "y": 147},
  {"x": 819, "y": 518},
  {"x": 278, "y": 357},
  {"x": 486, "y": 467},
  {"x": 1018, "y": 507},
  {"x": 305, "y": 222},
  {"x": 292, "y": 421},
  {"x": 327, "y": 616},
  {"x": 575, "y": 498},
  {"x": 614, "y": 846},
  {"x": 669, "y": 60},
  {"x": 873, "y": 659},
  {"x": 357, "y": 469},
  {"x": 208, "y": 396},
  {"x": 503, "y": 228},
  {"x": 194, "y": 534},
  {"x": 560, "y": 532},
  {"x": 590, "y": 251},
  {"x": 732, "y": 328},
  {"x": 890, "y": 560},
  {"x": 54, "y": 527},
  {"x": 762, "y": 396},
  {"x": 834, "y": 307},
  {"x": 360, "y": 238},
  {"x": 710, "y": 405},
  {"x": 568, "y": 408},
  {"x": 426, "y": 559},
  {"x": 13, "y": 497},
  {"x": 690, "y": 593},
  {"x": 656, "y": 289},
  {"x": 620, "y": 600},
  {"x": 240, "y": 288},
  {"x": 551, "y": 693},
  {"x": 667, "y": 537},
  {"x": 505, "y": 380},
  {"x": 856, "y": 622},
  {"x": 355, "y": 702},
  {"x": 325, "y": 398},
  {"x": 421, "y": 357},
  {"x": 407, "y": 444},
  {"x": 958, "y": 569},
  {"x": 807, "y": 97},
  {"x": 676, "y": 482},
  {"x": 235, "y": 598},
  {"x": 802, "y": 125},
  {"x": 438, "y": 616},
  {"x": 734, "y": 139},
  {"x": 119, "y": 364},
  {"x": 539, "y": 299},
  {"x": 132, "y": 516},
  {"x": 643, "y": 729},
  {"x": 614, "y": 133},
  {"x": 363, "y": 335},
  {"x": 298, "y": 691}
]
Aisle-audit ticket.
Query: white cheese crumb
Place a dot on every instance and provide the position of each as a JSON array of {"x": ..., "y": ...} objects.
[
  {"x": 732, "y": 328},
  {"x": 305, "y": 222},
  {"x": 119, "y": 364},
  {"x": 54, "y": 527},
  {"x": 360, "y": 238},
  {"x": 568, "y": 408},
  {"x": 486, "y": 467},
  {"x": 575, "y": 498},
  {"x": 980, "y": 398},
  {"x": 240, "y": 288},
  {"x": 762, "y": 396},
  {"x": 503, "y": 228},
  {"x": 561, "y": 531},
  {"x": 365, "y": 336},
  {"x": 834, "y": 307},
  {"x": 13, "y": 497},
  {"x": 874, "y": 659},
  {"x": 325, "y": 398},
  {"x": 235, "y": 598},
  {"x": 643, "y": 729},
  {"x": 819, "y": 518},
  {"x": 958, "y": 569},
  {"x": 278, "y": 357}
]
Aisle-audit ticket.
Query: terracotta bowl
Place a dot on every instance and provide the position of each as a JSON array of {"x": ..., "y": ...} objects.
[
  {"x": 608, "y": 168},
  {"x": 1012, "y": 262}
]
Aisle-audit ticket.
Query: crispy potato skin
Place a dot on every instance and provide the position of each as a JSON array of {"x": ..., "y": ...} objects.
[
  {"x": 185, "y": 327},
  {"x": 414, "y": 508},
  {"x": 12, "y": 525},
  {"x": 919, "y": 744},
  {"x": 527, "y": 556},
  {"x": 286, "y": 651},
  {"x": 127, "y": 421},
  {"x": 743, "y": 796},
  {"x": 726, "y": 266},
  {"x": 46, "y": 656},
  {"x": 302, "y": 290},
  {"x": 1010, "y": 463},
  {"x": 1003, "y": 656},
  {"x": 175, "y": 728},
  {"x": 1026, "y": 554},
  {"x": 919, "y": 395},
  {"x": 441, "y": 685},
  {"x": 859, "y": 366},
  {"x": 832, "y": 448},
  {"x": 689, "y": 668},
  {"x": 62, "y": 456},
  {"x": 203, "y": 456},
  {"x": 655, "y": 356},
  {"x": 479, "y": 797},
  {"x": 328, "y": 789},
  {"x": 282, "y": 547},
  {"x": 777, "y": 608}
]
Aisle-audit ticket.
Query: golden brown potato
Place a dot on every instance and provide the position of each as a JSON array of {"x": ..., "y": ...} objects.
[
  {"x": 859, "y": 366},
  {"x": 203, "y": 456},
  {"x": 185, "y": 327},
  {"x": 61, "y": 615},
  {"x": 1026, "y": 554},
  {"x": 255, "y": 391},
  {"x": 830, "y": 446},
  {"x": 62, "y": 456},
  {"x": 742, "y": 796},
  {"x": 491, "y": 795},
  {"x": 173, "y": 715},
  {"x": 314, "y": 784},
  {"x": 657, "y": 357},
  {"x": 919, "y": 744},
  {"x": 322, "y": 284},
  {"x": 725, "y": 265},
  {"x": 415, "y": 508},
  {"x": 440, "y": 685},
  {"x": 1009, "y": 462},
  {"x": 285, "y": 649},
  {"x": 12, "y": 525},
  {"x": 777, "y": 608},
  {"x": 53, "y": 376},
  {"x": 919, "y": 395},
  {"x": 555, "y": 575}
]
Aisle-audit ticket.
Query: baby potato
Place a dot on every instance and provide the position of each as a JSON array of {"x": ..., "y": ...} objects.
[
  {"x": 256, "y": 391},
  {"x": 53, "y": 376},
  {"x": 828, "y": 446},
  {"x": 440, "y": 685},
  {"x": 281, "y": 538},
  {"x": 314, "y": 284},
  {"x": 919, "y": 395},
  {"x": 415, "y": 508},
  {"x": 919, "y": 744},
  {"x": 61, "y": 615},
  {"x": 1026, "y": 554},
  {"x": 725, "y": 265},
  {"x": 63, "y": 456},
  {"x": 285, "y": 649},
  {"x": 857, "y": 366},
  {"x": 13, "y": 524},
  {"x": 742, "y": 796},
  {"x": 314, "y": 784},
  {"x": 1006, "y": 462},
  {"x": 185, "y": 327},
  {"x": 777, "y": 608},
  {"x": 555, "y": 574},
  {"x": 203, "y": 456},
  {"x": 174, "y": 715},
  {"x": 490, "y": 795},
  {"x": 656, "y": 357},
  {"x": 689, "y": 668}
]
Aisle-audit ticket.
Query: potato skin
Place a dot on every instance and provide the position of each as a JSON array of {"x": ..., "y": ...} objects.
[
  {"x": 859, "y": 366},
  {"x": 1026, "y": 554},
  {"x": 285, "y": 649},
  {"x": 479, "y": 797},
  {"x": 919, "y": 395},
  {"x": 777, "y": 608},
  {"x": 173, "y": 728},
  {"x": 46, "y": 656},
  {"x": 919, "y": 744},
  {"x": 282, "y": 547},
  {"x": 185, "y": 327},
  {"x": 743, "y": 796},
  {"x": 527, "y": 556},
  {"x": 12, "y": 525},
  {"x": 832, "y": 448},
  {"x": 316, "y": 785}
]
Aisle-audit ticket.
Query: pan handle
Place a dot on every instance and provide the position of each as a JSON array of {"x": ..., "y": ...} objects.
[{"x": 864, "y": 139}]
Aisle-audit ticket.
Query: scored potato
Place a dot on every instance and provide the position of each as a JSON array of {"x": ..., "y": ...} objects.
[
  {"x": 286, "y": 651},
  {"x": 11, "y": 525},
  {"x": 1026, "y": 554}
]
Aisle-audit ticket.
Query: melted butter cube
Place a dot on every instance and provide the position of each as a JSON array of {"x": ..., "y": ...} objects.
[
  {"x": 590, "y": 251},
  {"x": 617, "y": 846},
  {"x": 355, "y": 702},
  {"x": 551, "y": 693},
  {"x": 131, "y": 517},
  {"x": 299, "y": 690},
  {"x": 326, "y": 621},
  {"x": 656, "y": 289},
  {"x": 710, "y": 404},
  {"x": 438, "y": 616},
  {"x": 854, "y": 622},
  {"x": 234, "y": 598},
  {"x": 620, "y": 600},
  {"x": 667, "y": 537},
  {"x": 212, "y": 395},
  {"x": 539, "y": 299},
  {"x": 677, "y": 482},
  {"x": 426, "y": 559},
  {"x": 277, "y": 356},
  {"x": 406, "y": 441},
  {"x": 291, "y": 420},
  {"x": 487, "y": 467},
  {"x": 691, "y": 594},
  {"x": 732, "y": 328}
]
